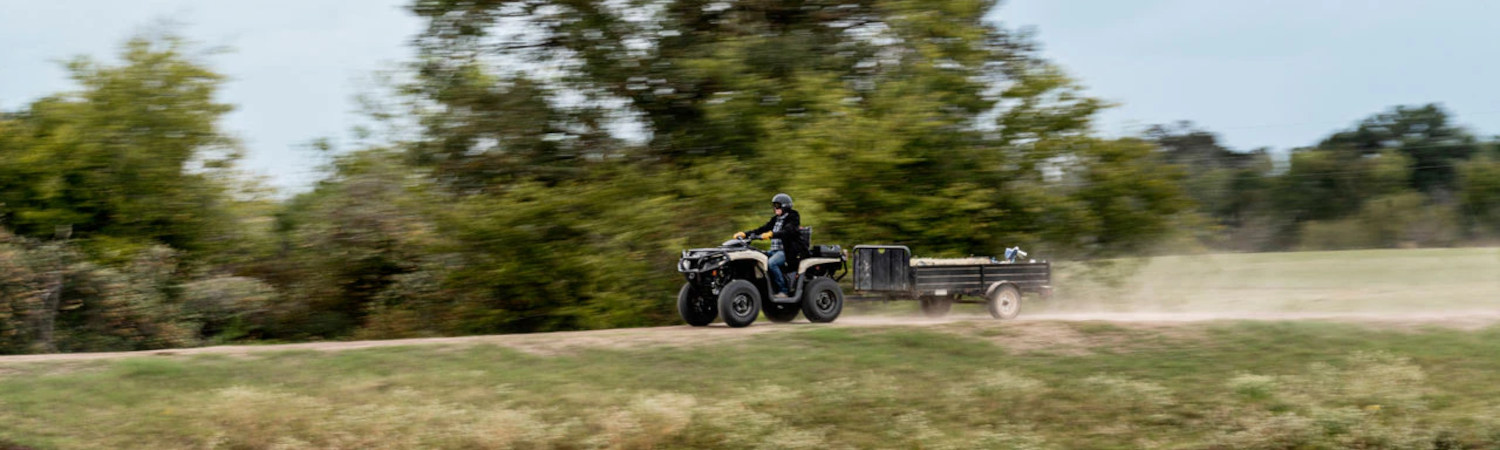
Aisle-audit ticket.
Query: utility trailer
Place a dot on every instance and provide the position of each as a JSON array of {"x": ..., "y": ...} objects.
[{"x": 889, "y": 271}]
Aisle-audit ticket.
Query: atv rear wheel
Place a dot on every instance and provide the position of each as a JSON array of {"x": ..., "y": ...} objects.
[
  {"x": 781, "y": 312},
  {"x": 935, "y": 306},
  {"x": 694, "y": 308},
  {"x": 823, "y": 301},
  {"x": 739, "y": 303},
  {"x": 1005, "y": 302}
]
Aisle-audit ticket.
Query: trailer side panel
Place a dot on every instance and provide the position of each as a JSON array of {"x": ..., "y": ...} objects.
[{"x": 975, "y": 279}]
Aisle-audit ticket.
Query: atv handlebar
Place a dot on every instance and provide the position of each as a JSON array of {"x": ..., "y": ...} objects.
[{"x": 740, "y": 242}]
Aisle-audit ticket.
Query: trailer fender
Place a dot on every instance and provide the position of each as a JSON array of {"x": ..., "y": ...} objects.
[{"x": 996, "y": 285}]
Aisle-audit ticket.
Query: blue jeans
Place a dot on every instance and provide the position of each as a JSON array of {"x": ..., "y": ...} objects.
[{"x": 773, "y": 265}]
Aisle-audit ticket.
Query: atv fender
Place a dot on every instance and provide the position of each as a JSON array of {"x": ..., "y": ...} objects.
[
  {"x": 758, "y": 257},
  {"x": 809, "y": 263}
]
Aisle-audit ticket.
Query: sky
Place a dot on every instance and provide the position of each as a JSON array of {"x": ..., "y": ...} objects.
[
  {"x": 1272, "y": 73},
  {"x": 295, "y": 67},
  {"x": 1266, "y": 73}
]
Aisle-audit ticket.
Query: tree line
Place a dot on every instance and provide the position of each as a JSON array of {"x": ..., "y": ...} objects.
[
  {"x": 547, "y": 160},
  {"x": 1406, "y": 177}
]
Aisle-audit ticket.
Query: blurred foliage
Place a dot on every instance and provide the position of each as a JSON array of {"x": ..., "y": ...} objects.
[
  {"x": 227, "y": 308},
  {"x": 1407, "y": 177},
  {"x": 881, "y": 117},
  {"x": 1423, "y": 134},
  {"x": 54, "y": 299},
  {"x": 1397, "y": 220},
  {"x": 114, "y": 196},
  {"x": 1479, "y": 194},
  {"x": 130, "y": 158},
  {"x": 550, "y": 158}
]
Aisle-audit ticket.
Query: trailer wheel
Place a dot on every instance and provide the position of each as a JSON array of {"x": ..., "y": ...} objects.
[
  {"x": 823, "y": 301},
  {"x": 694, "y": 309},
  {"x": 935, "y": 306},
  {"x": 739, "y": 303},
  {"x": 781, "y": 312},
  {"x": 1005, "y": 302}
]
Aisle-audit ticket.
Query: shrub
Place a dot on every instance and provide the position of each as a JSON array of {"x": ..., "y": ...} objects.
[
  {"x": 227, "y": 308},
  {"x": 1398, "y": 220}
]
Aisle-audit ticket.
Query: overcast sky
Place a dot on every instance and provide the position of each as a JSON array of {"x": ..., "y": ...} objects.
[
  {"x": 1273, "y": 73},
  {"x": 294, "y": 69}
]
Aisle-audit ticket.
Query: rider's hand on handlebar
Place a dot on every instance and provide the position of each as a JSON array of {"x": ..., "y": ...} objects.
[
  {"x": 765, "y": 236},
  {"x": 739, "y": 235}
]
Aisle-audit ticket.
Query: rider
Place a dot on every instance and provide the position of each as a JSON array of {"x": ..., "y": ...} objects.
[{"x": 786, "y": 240}]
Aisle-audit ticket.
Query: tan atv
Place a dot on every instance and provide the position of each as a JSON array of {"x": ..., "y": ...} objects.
[{"x": 731, "y": 281}]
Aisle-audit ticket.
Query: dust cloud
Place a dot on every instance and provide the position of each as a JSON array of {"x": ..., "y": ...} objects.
[{"x": 1450, "y": 287}]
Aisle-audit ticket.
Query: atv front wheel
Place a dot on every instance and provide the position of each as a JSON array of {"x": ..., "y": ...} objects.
[
  {"x": 694, "y": 308},
  {"x": 739, "y": 303},
  {"x": 823, "y": 301}
]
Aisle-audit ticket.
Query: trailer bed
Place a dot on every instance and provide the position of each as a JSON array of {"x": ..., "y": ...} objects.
[
  {"x": 975, "y": 279},
  {"x": 890, "y": 270}
]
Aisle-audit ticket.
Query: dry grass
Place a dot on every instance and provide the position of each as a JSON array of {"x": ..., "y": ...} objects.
[{"x": 1236, "y": 385}]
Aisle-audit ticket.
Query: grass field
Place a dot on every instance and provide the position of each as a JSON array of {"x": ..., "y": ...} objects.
[{"x": 958, "y": 384}]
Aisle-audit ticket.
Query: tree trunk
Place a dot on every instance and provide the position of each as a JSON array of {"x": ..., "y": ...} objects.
[{"x": 47, "y": 317}]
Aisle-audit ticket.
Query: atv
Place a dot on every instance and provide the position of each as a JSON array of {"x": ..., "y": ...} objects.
[{"x": 731, "y": 281}]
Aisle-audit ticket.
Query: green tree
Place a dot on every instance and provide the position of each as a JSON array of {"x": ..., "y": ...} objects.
[
  {"x": 120, "y": 193},
  {"x": 882, "y": 115},
  {"x": 344, "y": 242},
  {"x": 1479, "y": 195},
  {"x": 1322, "y": 184},
  {"x": 130, "y": 158},
  {"x": 1424, "y": 134},
  {"x": 1230, "y": 187}
]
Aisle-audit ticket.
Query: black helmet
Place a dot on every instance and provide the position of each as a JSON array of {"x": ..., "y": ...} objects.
[{"x": 785, "y": 201}]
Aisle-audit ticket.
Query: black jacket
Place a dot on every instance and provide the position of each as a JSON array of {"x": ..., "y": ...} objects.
[{"x": 790, "y": 235}]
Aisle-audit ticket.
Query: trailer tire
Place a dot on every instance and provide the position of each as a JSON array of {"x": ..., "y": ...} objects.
[
  {"x": 823, "y": 301},
  {"x": 694, "y": 309},
  {"x": 935, "y": 306},
  {"x": 739, "y": 303},
  {"x": 781, "y": 312},
  {"x": 1005, "y": 302}
]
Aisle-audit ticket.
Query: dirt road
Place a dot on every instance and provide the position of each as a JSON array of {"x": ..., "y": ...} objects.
[{"x": 562, "y": 342}]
